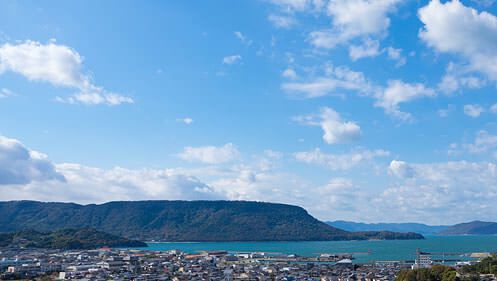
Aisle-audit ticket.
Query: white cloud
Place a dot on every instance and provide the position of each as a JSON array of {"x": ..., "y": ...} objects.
[
  {"x": 431, "y": 193},
  {"x": 289, "y": 73},
  {"x": 260, "y": 180},
  {"x": 336, "y": 185},
  {"x": 27, "y": 174},
  {"x": 483, "y": 143},
  {"x": 210, "y": 154},
  {"x": 282, "y": 21},
  {"x": 252, "y": 183},
  {"x": 484, "y": 3},
  {"x": 93, "y": 185},
  {"x": 451, "y": 27},
  {"x": 299, "y": 5},
  {"x": 326, "y": 39},
  {"x": 398, "y": 92},
  {"x": 232, "y": 59},
  {"x": 445, "y": 189},
  {"x": 336, "y": 198},
  {"x": 473, "y": 110},
  {"x": 457, "y": 77},
  {"x": 186, "y": 120},
  {"x": 336, "y": 162},
  {"x": 95, "y": 98},
  {"x": 335, "y": 78},
  {"x": 5, "y": 93},
  {"x": 448, "y": 84},
  {"x": 58, "y": 65},
  {"x": 396, "y": 55},
  {"x": 316, "y": 88},
  {"x": 335, "y": 129},
  {"x": 401, "y": 169},
  {"x": 245, "y": 184},
  {"x": 242, "y": 38},
  {"x": 446, "y": 111},
  {"x": 349, "y": 22},
  {"x": 493, "y": 108},
  {"x": 369, "y": 48},
  {"x": 20, "y": 165},
  {"x": 84, "y": 184}
]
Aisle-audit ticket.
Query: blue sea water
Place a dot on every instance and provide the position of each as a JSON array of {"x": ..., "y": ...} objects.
[{"x": 366, "y": 251}]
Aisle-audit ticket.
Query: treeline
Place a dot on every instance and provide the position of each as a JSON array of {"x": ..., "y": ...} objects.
[
  {"x": 485, "y": 266},
  {"x": 446, "y": 273},
  {"x": 84, "y": 238},
  {"x": 435, "y": 273}
]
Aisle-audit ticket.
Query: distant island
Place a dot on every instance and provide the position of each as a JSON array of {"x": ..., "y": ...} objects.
[
  {"x": 470, "y": 228},
  {"x": 85, "y": 238},
  {"x": 399, "y": 227},
  {"x": 183, "y": 221}
]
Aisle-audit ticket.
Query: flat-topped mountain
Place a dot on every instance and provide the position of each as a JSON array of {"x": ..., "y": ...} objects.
[{"x": 182, "y": 221}]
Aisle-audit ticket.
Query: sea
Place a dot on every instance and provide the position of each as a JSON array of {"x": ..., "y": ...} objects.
[{"x": 444, "y": 247}]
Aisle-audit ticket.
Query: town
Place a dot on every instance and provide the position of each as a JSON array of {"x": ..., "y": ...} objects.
[
  {"x": 127, "y": 264},
  {"x": 114, "y": 264}
]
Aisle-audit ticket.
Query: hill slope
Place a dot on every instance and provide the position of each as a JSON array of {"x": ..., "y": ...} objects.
[
  {"x": 181, "y": 221},
  {"x": 474, "y": 227},
  {"x": 85, "y": 238},
  {"x": 397, "y": 227}
]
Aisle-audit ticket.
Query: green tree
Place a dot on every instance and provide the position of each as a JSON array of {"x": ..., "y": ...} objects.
[{"x": 436, "y": 273}]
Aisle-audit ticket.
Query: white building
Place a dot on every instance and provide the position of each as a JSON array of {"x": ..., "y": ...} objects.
[{"x": 423, "y": 260}]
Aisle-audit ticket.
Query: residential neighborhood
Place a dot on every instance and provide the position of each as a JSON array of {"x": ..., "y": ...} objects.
[{"x": 116, "y": 264}]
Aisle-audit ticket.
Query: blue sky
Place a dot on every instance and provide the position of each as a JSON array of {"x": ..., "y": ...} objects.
[{"x": 360, "y": 110}]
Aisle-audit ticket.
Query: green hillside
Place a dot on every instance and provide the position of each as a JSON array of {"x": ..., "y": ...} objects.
[
  {"x": 182, "y": 221},
  {"x": 85, "y": 238}
]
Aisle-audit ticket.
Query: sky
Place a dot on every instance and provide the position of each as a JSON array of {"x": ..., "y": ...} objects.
[{"x": 363, "y": 110}]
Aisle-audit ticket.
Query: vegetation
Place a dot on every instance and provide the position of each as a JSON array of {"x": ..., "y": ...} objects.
[
  {"x": 435, "y": 273},
  {"x": 387, "y": 235},
  {"x": 85, "y": 238},
  {"x": 182, "y": 221},
  {"x": 485, "y": 266},
  {"x": 445, "y": 273}
]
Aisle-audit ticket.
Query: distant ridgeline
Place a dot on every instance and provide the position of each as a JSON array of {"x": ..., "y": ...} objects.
[
  {"x": 85, "y": 238},
  {"x": 474, "y": 227},
  {"x": 398, "y": 227},
  {"x": 183, "y": 221}
]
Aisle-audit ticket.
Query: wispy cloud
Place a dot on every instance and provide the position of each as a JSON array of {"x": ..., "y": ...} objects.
[
  {"x": 210, "y": 154},
  {"x": 232, "y": 59}
]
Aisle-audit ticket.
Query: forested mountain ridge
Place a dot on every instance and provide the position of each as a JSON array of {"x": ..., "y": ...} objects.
[{"x": 182, "y": 221}]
